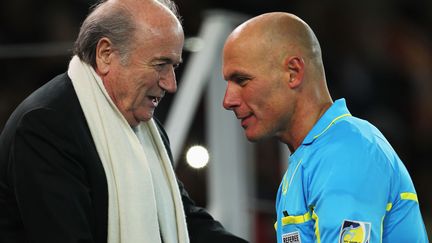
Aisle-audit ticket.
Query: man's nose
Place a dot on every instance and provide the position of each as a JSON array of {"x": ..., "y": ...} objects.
[
  {"x": 231, "y": 99},
  {"x": 168, "y": 82}
]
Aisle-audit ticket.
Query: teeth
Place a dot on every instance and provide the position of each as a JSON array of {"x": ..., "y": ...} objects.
[{"x": 155, "y": 100}]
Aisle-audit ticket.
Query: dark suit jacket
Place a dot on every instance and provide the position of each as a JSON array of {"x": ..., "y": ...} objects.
[{"x": 52, "y": 183}]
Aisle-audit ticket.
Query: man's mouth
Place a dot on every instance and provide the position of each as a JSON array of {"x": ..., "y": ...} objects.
[
  {"x": 155, "y": 100},
  {"x": 244, "y": 120}
]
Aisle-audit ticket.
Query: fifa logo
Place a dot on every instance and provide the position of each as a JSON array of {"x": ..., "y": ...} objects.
[{"x": 355, "y": 232}]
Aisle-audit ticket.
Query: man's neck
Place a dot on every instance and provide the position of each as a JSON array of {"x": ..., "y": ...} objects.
[{"x": 303, "y": 121}]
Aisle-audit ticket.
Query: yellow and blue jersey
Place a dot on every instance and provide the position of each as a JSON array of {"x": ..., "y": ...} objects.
[{"x": 346, "y": 184}]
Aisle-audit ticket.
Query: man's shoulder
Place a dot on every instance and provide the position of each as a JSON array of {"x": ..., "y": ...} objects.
[
  {"x": 54, "y": 94},
  {"x": 54, "y": 104},
  {"x": 57, "y": 97},
  {"x": 351, "y": 132},
  {"x": 351, "y": 139},
  {"x": 352, "y": 146}
]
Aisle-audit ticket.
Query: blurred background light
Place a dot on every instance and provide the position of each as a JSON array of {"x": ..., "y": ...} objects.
[
  {"x": 193, "y": 44},
  {"x": 197, "y": 157}
]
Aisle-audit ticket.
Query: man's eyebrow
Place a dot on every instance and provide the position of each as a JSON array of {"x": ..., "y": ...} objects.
[
  {"x": 168, "y": 60},
  {"x": 236, "y": 75}
]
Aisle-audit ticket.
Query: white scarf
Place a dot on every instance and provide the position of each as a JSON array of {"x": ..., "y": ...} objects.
[{"x": 132, "y": 206}]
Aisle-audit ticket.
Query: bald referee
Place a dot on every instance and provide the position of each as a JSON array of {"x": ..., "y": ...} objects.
[{"x": 344, "y": 182}]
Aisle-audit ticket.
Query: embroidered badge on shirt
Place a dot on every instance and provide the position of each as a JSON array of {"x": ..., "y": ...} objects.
[
  {"x": 355, "y": 232},
  {"x": 293, "y": 237}
]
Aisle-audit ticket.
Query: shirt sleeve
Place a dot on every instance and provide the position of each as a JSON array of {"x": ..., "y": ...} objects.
[{"x": 403, "y": 221}]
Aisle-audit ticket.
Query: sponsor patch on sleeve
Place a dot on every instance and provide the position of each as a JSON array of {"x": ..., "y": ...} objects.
[
  {"x": 293, "y": 237},
  {"x": 355, "y": 232}
]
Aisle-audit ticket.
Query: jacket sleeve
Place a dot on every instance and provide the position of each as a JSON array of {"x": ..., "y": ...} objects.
[
  {"x": 202, "y": 226},
  {"x": 50, "y": 184}
]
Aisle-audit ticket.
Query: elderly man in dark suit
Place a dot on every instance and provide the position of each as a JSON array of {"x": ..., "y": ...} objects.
[{"x": 83, "y": 160}]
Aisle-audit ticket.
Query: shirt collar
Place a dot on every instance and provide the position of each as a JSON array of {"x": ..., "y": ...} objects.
[{"x": 336, "y": 111}]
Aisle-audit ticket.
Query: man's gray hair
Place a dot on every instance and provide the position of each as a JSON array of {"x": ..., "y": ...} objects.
[{"x": 115, "y": 24}]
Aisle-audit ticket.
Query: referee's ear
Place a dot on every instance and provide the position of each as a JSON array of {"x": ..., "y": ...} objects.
[{"x": 294, "y": 66}]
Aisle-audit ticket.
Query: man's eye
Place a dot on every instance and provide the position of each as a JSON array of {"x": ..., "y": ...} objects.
[
  {"x": 159, "y": 66},
  {"x": 241, "y": 81}
]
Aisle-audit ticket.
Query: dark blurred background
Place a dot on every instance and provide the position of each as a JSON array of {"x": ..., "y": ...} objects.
[{"x": 377, "y": 55}]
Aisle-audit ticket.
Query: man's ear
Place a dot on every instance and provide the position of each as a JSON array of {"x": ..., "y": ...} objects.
[
  {"x": 294, "y": 65},
  {"x": 104, "y": 51}
]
